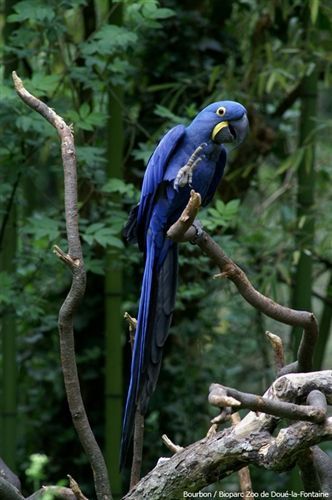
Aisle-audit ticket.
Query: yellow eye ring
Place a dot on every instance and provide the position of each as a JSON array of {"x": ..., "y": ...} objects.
[{"x": 221, "y": 111}]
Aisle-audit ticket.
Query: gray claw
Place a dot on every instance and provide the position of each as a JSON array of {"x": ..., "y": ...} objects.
[{"x": 185, "y": 174}]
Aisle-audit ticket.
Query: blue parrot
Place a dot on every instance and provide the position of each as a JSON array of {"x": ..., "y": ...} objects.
[{"x": 186, "y": 158}]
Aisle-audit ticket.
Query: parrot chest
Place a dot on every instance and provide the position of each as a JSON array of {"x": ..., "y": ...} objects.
[
  {"x": 202, "y": 174},
  {"x": 171, "y": 202}
]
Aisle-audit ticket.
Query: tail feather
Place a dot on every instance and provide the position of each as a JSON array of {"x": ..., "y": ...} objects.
[
  {"x": 159, "y": 324},
  {"x": 137, "y": 356},
  {"x": 155, "y": 313}
]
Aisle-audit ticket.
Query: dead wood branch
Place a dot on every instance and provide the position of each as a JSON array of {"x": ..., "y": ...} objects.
[
  {"x": 177, "y": 231},
  {"x": 8, "y": 490},
  {"x": 138, "y": 438},
  {"x": 278, "y": 349},
  {"x": 267, "y": 306},
  {"x": 174, "y": 448},
  {"x": 209, "y": 460},
  {"x": 244, "y": 473},
  {"x": 271, "y": 405},
  {"x": 57, "y": 492},
  {"x": 74, "y": 259}
]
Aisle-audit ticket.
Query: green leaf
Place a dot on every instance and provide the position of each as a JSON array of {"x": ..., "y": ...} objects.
[
  {"x": 7, "y": 92},
  {"x": 152, "y": 11},
  {"x": 270, "y": 82},
  {"x": 143, "y": 152},
  {"x": 86, "y": 119},
  {"x": 42, "y": 227},
  {"x": 314, "y": 8},
  {"x": 108, "y": 40},
  {"x": 43, "y": 84},
  {"x": 34, "y": 123},
  {"x": 164, "y": 112},
  {"x": 105, "y": 237},
  {"x": 33, "y": 10},
  {"x": 102, "y": 234},
  {"x": 292, "y": 162},
  {"x": 115, "y": 185},
  {"x": 220, "y": 206},
  {"x": 93, "y": 228},
  {"x": 232, "y": 206},
  {"x": 91, "y": 155},
  {"x": 7, "y": 292}
]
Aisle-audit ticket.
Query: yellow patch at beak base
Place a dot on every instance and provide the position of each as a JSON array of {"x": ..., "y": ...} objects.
[{"x": 217, "y": 129}]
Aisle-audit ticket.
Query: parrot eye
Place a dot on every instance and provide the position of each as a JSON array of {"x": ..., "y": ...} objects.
[{"x": 221, "y": 111}]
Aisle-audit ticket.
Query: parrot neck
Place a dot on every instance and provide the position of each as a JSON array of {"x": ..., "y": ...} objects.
[{"x": 196, "y": 136}]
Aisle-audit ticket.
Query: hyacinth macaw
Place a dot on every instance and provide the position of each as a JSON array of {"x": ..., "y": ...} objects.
[{"x": 186, "y": 158}]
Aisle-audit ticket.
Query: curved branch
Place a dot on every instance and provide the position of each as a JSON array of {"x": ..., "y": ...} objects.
[
  {"x": 182, "y": 225},
  {"x": 275, "y": 407},
  {"x": 248, "y": 442},
  {"x": 74, "y": 259},
  {"x": 267, "y": 306}
]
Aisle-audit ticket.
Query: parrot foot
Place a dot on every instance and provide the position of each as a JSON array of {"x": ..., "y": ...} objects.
[
  {"x": 185, "y": 174},
  {"x": 199, "y": 231}
]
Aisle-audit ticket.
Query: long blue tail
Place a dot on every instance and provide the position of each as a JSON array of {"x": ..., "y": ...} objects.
[{"x": 154, "y": 317}]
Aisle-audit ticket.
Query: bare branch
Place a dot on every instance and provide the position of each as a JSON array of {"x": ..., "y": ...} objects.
[
  {"x": 9, "y": 475},
  {"x": 76, "y": 489},
  {"x": 323, "y": 467},
  {"x": 278, "y": 349},
  {"x": 174, "y": 448},
  {"x": 138, "y": 439},
  {"x": 74, "y": 259},
  {"x": 263, "y": 404},
  {"x": 244, "y": 473},
  {"x": 270, "y": 308},
  {"x": 177, "y": 231},
  {"x": 8, "y": 490}
]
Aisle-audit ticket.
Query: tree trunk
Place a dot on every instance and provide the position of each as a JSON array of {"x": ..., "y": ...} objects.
[
  {"x": 305, "y": 201},
  {"x": 113, "y": 295},
  {"x": 324, "y": 327}
]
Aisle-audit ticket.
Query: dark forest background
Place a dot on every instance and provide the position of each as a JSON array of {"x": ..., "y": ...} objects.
[{"x": 123, "y": 73}]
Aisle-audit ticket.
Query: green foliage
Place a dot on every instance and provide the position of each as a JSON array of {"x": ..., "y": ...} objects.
[
  {"x": 223, "y": 215},
  {"x": 169, "y": 59},
  {"x": 35, "y": 472}
]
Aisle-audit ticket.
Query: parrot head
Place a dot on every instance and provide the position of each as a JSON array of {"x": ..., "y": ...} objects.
[{"x": 222, "y": 122}]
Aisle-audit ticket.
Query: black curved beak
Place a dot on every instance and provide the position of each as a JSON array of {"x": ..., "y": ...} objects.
[{"x": 232, "y": 131}]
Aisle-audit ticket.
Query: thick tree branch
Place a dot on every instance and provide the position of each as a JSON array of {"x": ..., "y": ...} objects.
[
  {"x": 74, "y": 259},
  {"x": 9, "y": 475},
  {"x": 212, "y": 459},
  {"x": 272, "y": 404},
  {"x": 8, "y": 490}
]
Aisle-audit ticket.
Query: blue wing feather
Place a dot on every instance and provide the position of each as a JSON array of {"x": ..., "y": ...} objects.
[{"x": 154, "y": 177}]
